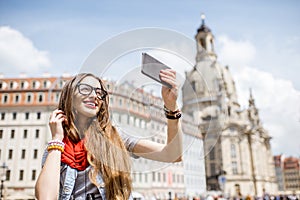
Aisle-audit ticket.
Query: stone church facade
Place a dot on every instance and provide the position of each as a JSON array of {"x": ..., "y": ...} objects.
[{"x": 238, "y": 156}]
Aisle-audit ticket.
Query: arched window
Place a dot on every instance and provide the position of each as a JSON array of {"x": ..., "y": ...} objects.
[
  {"x": 212, "y": 153},
  {"x": 202, "y": 43},
  {"x": 233, "y": 151}
]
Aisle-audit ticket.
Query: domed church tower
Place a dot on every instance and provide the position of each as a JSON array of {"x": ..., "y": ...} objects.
[
  {"x": 209, "y": 89},
  {"x": 234, "y": 139},
  {"x": 205, "y": 42}
]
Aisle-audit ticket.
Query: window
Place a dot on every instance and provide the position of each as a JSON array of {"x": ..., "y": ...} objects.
[
  {"x": 212, "y": 153},
  {"x": 11, "y": 85},
  {"x": 35, "y": 154},
  {"x": 40, "y": 99},
  {"x": 45, "y": 84},
  {"x": 34, "y": 84},
  {"x": 12, "y": 134},
  {"x": 14, "y": 116},
  {"x": 23, "y": 154},
  {"x": 193, "y": 83},
  {"x": 17, "y": 98},
  {"x": 134, "y": 177},
  {"x": 38, "y": 115},
  {"x": 1, "y": 85},
  {"x": 131, "y": 119},
  {"x": 140, "y": 177},
  {"x": 29, "y": 98},
  {"x": 57, "y": 97},
  {"x": 212, "y": 169},
  {"x": 61, "y": 84},
  {"x": 21, "y": 175},
  {"x": 10, "y": 154},
  {"x": 25, "y": 133},
  {"x": 5, "y": 98},
  {"x": 233, "y": 151},
  {"x": 153, "y": 176},
  {"x": 27, "y": 115},
  {"x": 234, "y": 167},
  {"x": 22, "y": 85},
  {"x": 7, "y": 175},
  {"x": 33, "y": 175},
  {"x": 37, "y": 133},
  {"x": 146, "y": 178},
  {"x": 2, "y": 116},
  {"x": 202, "y": 42},
  {"x": 1, "y": 133}
]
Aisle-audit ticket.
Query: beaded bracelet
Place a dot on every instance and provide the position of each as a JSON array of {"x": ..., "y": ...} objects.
[
  {"x": 61, "y": 149},
  {"x": 56, "y": 145},
  {"x": 167, "y": 111},
  {"x": 172, "y": 114},
  {"x": 175, "y": 116}
]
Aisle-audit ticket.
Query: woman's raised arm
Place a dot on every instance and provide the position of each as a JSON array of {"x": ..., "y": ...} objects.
[
  {"x": 171, "y": 151},
  {"x": 47, "y": 185}
]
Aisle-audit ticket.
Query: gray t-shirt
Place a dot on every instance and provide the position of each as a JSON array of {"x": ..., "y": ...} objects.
[
  {"x": 129, "y": 142},
  {"x": 83, "y": 185}
]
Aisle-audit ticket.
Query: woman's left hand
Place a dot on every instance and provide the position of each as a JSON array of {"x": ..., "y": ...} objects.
[{"x": 169, "y": 95}]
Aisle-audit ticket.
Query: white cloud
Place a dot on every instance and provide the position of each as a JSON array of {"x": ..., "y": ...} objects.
[
  {"x": 235, "y": 53},
  {"x": 277, "y": 99},
  {"x": 18, "y": 53},
  {"x": 278, "y": 103}
]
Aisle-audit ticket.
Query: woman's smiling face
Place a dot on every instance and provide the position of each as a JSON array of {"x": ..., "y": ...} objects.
[{"x": 86, "y": 101}]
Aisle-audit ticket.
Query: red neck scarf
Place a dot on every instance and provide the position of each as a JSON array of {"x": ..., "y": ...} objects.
[{"x": 75, "y": 155}]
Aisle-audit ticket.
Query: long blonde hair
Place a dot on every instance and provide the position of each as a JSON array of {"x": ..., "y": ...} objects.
[{"x": 106, "y": 151}]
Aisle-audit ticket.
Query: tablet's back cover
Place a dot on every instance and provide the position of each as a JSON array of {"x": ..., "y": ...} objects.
[{"x": 151, "y": 68}]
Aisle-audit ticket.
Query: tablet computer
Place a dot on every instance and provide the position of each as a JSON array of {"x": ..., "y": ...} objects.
[{"x": 151, "y": 68}]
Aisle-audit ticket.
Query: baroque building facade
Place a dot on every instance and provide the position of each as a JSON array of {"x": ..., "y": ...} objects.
[
  {"x": 287, "y": 174},
  {"x": 291, "y": 170},
  {"x": 238, "y": 156},
  {"x": 26, "y": 104}
]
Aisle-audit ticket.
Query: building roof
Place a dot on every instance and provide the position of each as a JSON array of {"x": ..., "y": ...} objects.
[{"x": 203, "y": 27}]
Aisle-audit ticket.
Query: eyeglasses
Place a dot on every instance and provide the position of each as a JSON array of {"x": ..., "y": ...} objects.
[{"x": 86, "y": 89}]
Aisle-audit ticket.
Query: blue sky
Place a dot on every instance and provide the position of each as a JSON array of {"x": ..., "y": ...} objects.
[
  {"x": 69, "y": 29},
  {"x": 259, "y": 40}
]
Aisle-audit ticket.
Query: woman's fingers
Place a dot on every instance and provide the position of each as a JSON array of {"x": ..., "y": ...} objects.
[
  {"x": 56, "y": 120},
  {"x": 57, "y": 114},
  {"x": 169, "y": 76},
  {"x": 169, "y": 95},
  {"x": 168, "y": 73}
]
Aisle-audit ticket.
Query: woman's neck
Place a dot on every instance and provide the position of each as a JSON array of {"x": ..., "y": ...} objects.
[{"x": 82, "y": 125}]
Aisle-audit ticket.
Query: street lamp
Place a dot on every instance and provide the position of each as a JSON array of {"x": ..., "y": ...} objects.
[{"x": 3, "y": 178}]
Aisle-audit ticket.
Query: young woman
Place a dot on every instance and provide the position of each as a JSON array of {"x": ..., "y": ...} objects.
[{"x": 87, "y": 157}]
